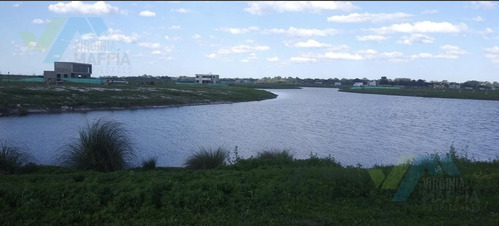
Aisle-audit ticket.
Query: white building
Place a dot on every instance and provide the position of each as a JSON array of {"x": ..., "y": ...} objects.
[
  {"x": 372, "y": 83},
  {"x": 358, "y": 84},
  {"x": 337, "y": 84},
  {"x": 206, "y": 79}
]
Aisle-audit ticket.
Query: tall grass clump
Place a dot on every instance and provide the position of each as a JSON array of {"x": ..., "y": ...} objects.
[
  {"x": 149, "y": 164},
  {"x": 11, "y": 158},
  {"x": 207, "y": 159},
  {"x": 103, "y": 146}
]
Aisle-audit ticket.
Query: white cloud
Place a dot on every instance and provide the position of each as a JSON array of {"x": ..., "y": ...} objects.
[
  {"x": 147, "y": 13},
  {"x": 483, "y": 4},
  {"x": 238, "y": 30},
  {"x": 375, "y": 38},
  {"x": 16, "y": 4},
  {"x": 302, "y": 32},
  {"x": 259, "y": 8},
  {"x": 40, "y": 21},
  {"x": 250, "y": 58},
  {"x": 196, "y": 36},
  {"x": 308, "y": 44},
  {"x": 116, "y": 35},
  {"x": 175, "y": 27},
  {"x": 492, "y": 54},
  {"x": 478, "y": 19},
  {"x": 429, "y": 11},
  {"x": 416, "y": 38},
  {"x": 273, "y": 59},
  {"x": 342, "y": 56},
  {"x": 369, "y": 17},
  {"x": 238, "y": 49},
  {"x": 422, "y": 27},
  {"x": 448, "y": 52},
  {"x": 301, "y": 59},
  {"x": 181, "y": 10},
  {"x": 98, "y": 8},
  {"x": 150, "y": 45},
  {"x": 172, "y": 38}
]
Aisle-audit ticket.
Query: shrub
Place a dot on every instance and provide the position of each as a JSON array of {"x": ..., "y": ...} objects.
[
  {"x": 102, "y": 146},
  {"x": 149, "y": 164},
  {"x": 274, "y": 154},
  {"x": 207, "y": 159},
  {"x": 11, "y": 158}
]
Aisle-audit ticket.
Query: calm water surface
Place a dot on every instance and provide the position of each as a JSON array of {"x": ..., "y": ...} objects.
[{"x": 353, "y": 128}]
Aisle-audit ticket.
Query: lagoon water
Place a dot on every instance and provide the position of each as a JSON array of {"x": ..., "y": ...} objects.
[{"x": 352, "y": 128}]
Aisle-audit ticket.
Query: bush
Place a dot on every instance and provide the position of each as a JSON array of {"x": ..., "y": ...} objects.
[
  {"x": 274, "y": 154},
  {"x": 149, "y": 164},
  {"x": 11, "y": 158},
  {"x": 103, "y": 146},
  {"x": 207, "y": 159}
]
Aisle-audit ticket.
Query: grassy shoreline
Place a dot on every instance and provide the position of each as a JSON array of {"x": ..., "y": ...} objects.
[
  {"x": 426, "y": 92},
  {"x": 18, "y": 98},
  {"x": 251, "y": 192}
]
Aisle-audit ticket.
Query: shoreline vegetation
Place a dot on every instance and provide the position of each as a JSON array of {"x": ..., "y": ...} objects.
[
  {"x": 217, "y": 187},
  {"x": 428, "y": 92},
  {"x": 21, "y": 98}
]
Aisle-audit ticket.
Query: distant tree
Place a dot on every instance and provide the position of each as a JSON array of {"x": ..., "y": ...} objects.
[{"x": 384, "y": 81}]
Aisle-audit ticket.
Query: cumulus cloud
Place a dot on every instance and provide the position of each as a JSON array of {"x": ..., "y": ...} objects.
[
  {"x": 447, "y": 52},
  {"x": 259, "y": 8},
  {"x": 150, "y": 45},
  {"x": 422, "y": 27},
  {"x": 492, "y": 54},
  {"x": 416, "y": 38},
  {"x": 483, "y": 4},
  {"x": 302, "y": 32},
  {"x": 238, "y": 49},
  {"x": 98, "y": 8},
  {"x": 365, "y": 54},
  {"x": 196, "y": 36},
  {"x": 181, "y": 10},
  {"x": 147, "y": 13},
  {"x": 369, "y": 17},
  {"x": 175, "y": 27},
  {"x": 238, "y": 30},
  {"x": 116, "y": 35},
  {"x": 375, "y": 38},
  {"x": 311, "y": 43}
]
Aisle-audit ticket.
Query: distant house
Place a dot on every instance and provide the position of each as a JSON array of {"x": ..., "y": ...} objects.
[
  {"x": 318, "y": 83},
  {"x": 454, "y": 85},
  {"x": 206, "y": 78},
  {"x": 358, "y": 84},
  {"x": 337, "y": 84},
  {"x": 438, "y": 86},
  {"x": 372, "y": 83},
  {"x": 68, "y": 70}
]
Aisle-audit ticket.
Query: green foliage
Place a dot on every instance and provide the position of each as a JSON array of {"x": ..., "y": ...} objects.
[
  {"x": 207, "y": 159},
  {"x": 102, "y": 146},
  {"x": 428, "y": 92},
  {"x": 276, "y": 155},
  {"x": 149, "y": 164},
  {"x": 11, "y": 158}
]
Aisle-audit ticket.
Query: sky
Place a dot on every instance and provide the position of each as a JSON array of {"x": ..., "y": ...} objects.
[{"x": 431, "y": 40}]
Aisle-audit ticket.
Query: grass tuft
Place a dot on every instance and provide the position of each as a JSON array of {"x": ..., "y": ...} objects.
[
  {"x": 11, "y": 158},
  {"x": 207, "y": 159},
  {"x": 274, "y": 154},
  {"x": 149, "y": 164},
  {"x": 103, "y": 146}
]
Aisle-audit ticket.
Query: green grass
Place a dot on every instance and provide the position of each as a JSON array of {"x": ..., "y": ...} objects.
[
  {"x": 292, "y": 193},
  {"x": 102, "y": 146},
  {"x": 207, "y": 159},
  {"x": 149, "y": 164},
  {"x": 12, "y": 158},
  {"x": 426, "y": 92},
  {"x": 17, "y": 98}
]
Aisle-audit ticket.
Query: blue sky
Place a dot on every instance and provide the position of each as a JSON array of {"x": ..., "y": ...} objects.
[{"x": 455, "y": 41}]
